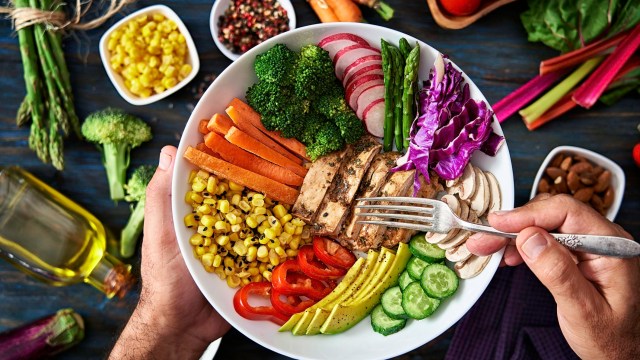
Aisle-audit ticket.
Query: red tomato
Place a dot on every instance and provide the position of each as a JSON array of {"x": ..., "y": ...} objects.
[
  {"x": 315, "y": 268},
  {"x": 289, "y": 304},
  {"x": 332, "y": 253},
  {"x": 244, "y": 309},
  {"x": 636, "y": 154},
  {"x": 288, "y": 279},
  {"x": 460, "y": 7}
]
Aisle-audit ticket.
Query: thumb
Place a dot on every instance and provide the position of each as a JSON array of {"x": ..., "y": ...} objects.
[
  {"x": 158, "y": 199},
  {"x": 554, "y": 266}
]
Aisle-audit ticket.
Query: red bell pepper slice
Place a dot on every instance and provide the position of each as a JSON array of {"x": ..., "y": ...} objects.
[
  {"x": 288, "y": 279},
  {"x": 244, "y": 309},
  {"x": 291, "y": 304},
  {"x": 315, "y": 268},
  {"x": 332, "y": 253}
]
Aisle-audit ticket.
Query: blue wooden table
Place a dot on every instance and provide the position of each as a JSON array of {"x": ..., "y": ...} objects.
[{"x": 494, "y": 52}]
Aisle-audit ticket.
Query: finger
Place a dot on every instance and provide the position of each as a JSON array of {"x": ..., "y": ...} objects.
[
  {"x": 157, "y": 214},
  {"x": 617, "y": 279},
  {"x": 511, "y": 256},
  {"x": 484, "y": 244},
  {"x": 555, "y": 268}
]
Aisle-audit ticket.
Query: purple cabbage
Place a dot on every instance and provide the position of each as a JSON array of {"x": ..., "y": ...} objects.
[{"x": 449, "y": 128}]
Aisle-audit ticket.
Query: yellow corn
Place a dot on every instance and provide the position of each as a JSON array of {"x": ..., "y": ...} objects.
[
  {"x": 286, "y": 218},
  {"x": 212, "y": 184},
  {"x": 223, "y": 206},
  {"x": 190, "y": 221},
  {"x": 267, "y": 275},
  {"x": 207, "y": 259},
  {"x": 222, "y": 240},
  {"x": 235, "y": 187},
  {"x": 251, "y": 222},
  {"x": 291, "y": 253},
  {"x": 252, "y": 253},
  {"x": 262, "y": 252},
  {"x": 233, "y": 281},
  {"x": 280, "y": 251},
  {"x": 200, "y": 251},
  {"x": 217, "y": 260},
  {"x": 220, "y": 225},
  {"x": 240, "y": 248},
  {"x": 208, "y": 220},
  {"x": 279, "y": 211},
  {"x": 206, "y": 242},
  {"x": 204, "y": 208},
  {"x": 231, "y": 218},
  {"x": 205, "y": 231},
  {"x": 273, "y": 243},
  {"x": 196, "y": 239},
  {"x": 236, "y": 228}
]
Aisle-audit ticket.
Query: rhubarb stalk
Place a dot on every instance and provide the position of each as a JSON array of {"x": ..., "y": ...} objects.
[
  {"x": 562, "y": 106},
  {"x": 589, "y": 92},
  {"x": 540, "y": 106}
]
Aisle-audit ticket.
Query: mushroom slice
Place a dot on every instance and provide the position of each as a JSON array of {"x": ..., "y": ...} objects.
[
  {"x": 454, "y": 204},
  {"x": 496, "y": 195},
  {"x": 471, "y": 267},
  {"x": 466, "y": 185},
  {"x": 459, "y": 239},
  {"x": 459, "y": 253},
  {"x": 481, "y": 199}
]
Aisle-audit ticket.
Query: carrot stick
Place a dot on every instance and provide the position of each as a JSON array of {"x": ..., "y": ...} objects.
[
  {"x": 345, "y": 10},
  {"x": 248, "y": 114},
  {"x": 251, "y": 130},
  {"x": 219, "y": 123},
  {"x": 243, "y": 140},
  {"x": 237, "y": 156},
  {"x": 204, "y": 148},
  {"x": 243, "y": 177},
  {"x": 323, "y": 11},
  {"x": 202, "y": 127}
]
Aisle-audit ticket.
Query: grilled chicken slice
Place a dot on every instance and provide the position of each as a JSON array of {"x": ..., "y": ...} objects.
[
  {"x": 371, "y": 183},
  {"x": 337, "y": 201},
  {"x": 316, "y": 184}
]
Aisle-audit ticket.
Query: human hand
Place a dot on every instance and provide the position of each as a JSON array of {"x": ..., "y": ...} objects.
[
  {"x": 172, "y": 318},
  {"x": 597, "y": 297}
]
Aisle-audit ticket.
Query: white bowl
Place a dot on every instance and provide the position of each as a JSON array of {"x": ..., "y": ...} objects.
[
  {"x": 118, "y": 80},
  {"x": 360, "y": 342},
  {"x": 220, "y": 6},
  {"x": 617, "y": 175}
]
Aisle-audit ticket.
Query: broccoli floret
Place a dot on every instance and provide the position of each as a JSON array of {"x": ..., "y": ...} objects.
[
  {"x": 327, "y": 140},
  {"x": 313, "y": 122},
  {"x": 276, "y": 65},
  {"x": 116, "y": 133},
  {"x": 351, "y": 128},
  {"x": 289, "y": 119},
  {"x": 334, "y": 106},
  {"x": 314, "y": 72},
  {"x": 268, "y": 98},
  {"x": 136, "y": 189}
]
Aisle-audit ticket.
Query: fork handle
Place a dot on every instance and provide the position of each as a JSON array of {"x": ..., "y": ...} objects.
[{"x": 593, "y": 244}]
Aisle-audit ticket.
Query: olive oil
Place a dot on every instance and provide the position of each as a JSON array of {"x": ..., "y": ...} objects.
[{"x": 49, "y": 236}]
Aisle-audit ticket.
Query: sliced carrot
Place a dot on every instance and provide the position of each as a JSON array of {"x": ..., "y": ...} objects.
[
  {"x": 202, "y": 127},
  {"x": 220, "y": 123},
  {"x": 204, "y": 148},
  {"x": 247, "y": 113},
  {"x": 345, "y": 10},
  {"x": 237, "y": 156},
  {"x": 251, "y": 130},
  {"x": 243, "y": 140},
  {"x": 238, "y": 175},
  {"x": 324, "y": 12}
]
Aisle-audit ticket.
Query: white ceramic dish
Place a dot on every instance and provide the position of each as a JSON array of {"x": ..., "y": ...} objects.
[
  {"x": 219, "y": 7},
  {"x": 617, "y": 175},
  {"x": 360, "y": 342},
  {"x": 117, "y": 79}
]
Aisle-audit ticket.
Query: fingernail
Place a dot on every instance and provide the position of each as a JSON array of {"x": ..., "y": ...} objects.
[
  {"x": 534, "y": 245},
  {"x": 165, "y": 161},
  {"x": 475, "y": 237},
  {"x": 499, "y": 212}
]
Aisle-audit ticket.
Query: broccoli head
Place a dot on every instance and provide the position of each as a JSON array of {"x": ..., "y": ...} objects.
[
  {"x": 351, "y": 128},
  {"x": 276, "y": 65},
  {"x": 136, "y": 192},
  {"x": 314, "y": 73},
  {"x": 327, "y": 140},
  {"x": 313, "y": 122},
  {"x": 267, "y": 97},
  {"x": 115, "y": 133},
  {"x": 333, "y": 102}
]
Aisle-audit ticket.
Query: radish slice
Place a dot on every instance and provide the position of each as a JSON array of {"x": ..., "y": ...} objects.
[
  {"x": 348, "y": 55},
  {"x": 367, "y": 97},
  {"x": 335, "y": 46},
  {"x": 367, "y": 70},
  {"x": 342, "y": 36},
  {"x": 362, "y": 62},
  {"x": 374, "y": 118},
  {"x": 357, "y": 87},
  {"x": 438, "y": 65}
]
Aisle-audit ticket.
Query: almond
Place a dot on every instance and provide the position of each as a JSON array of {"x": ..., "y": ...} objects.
[
  {"x": 608, "y": 198},
  {"x": 587, "y": 180},
  {"x": 597, "y": 170},
  {"x": 603, "y": 181},
  {"x": 584, "y": 194},
  {"x": 566, "y": 163},
  {"x": 597, "y": 203},
  {"x": 557, "y": 160},
  {"x": 581, "y": 167},
  {"x": 573, "y": 182},
  {"x": 543, "y": 186},
  {"x": 560, "y": 184},
  {"x": 555, "y": 172}
]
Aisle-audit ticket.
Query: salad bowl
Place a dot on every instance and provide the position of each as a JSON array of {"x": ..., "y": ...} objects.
[{"x": 359, "y": 342}]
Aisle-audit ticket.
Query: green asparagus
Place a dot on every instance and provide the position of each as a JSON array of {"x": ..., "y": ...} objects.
[
  {"x": 389, "y": 87},
  {"x": 410, "y": 86}
]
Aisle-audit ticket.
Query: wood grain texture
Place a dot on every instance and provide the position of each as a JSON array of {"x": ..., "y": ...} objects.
[{"x": 493, "y": 51}]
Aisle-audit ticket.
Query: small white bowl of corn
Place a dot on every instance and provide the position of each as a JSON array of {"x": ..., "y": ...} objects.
[{"x": 149, "y": 55}]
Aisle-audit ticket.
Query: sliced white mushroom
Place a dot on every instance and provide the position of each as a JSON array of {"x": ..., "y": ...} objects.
[
  {"x": 438, "y": 66},
  {"x": 458, "y": 254},
  {"x": 459, "y": 239},
  {"x": 482, "y": 197},
  {"x": 466, "y": 186},
  {"x": 496, "y": 195},
  {"x": 452, "y": 183},
  {"x": 454, "y": 205},
  {"x": 464, "y": 210},
  {"x": 471, "y": 267}
]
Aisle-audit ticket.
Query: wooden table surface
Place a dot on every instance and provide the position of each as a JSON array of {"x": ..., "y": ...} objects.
[{"x": 494, "y": 52}]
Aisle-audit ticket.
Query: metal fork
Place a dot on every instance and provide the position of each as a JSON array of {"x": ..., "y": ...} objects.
[{"x": 436, "y": 216}]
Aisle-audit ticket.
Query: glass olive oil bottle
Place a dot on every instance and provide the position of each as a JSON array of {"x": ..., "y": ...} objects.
[{"x": 49, "y": 236}]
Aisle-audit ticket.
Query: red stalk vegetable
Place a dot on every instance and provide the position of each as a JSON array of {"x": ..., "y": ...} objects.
[
  {"x": 589, "y": 92},
  {"x": 43, "y": 338},
  {"x": 562, "y": 106},
  {"x": 516, "y": 100}
]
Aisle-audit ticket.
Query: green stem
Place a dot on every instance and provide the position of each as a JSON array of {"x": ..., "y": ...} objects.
[
  {"x": 384, "y": 10},
  {"x": 540, "y": 106},
  {"x": 132, "y": 230},
  {"x": 24, "y": 112},
  {"x": 116, "y": 160}
]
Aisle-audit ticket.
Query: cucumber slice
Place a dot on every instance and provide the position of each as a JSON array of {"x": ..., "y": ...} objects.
[
  {"x": 384, "y": 324},
  {"x": 416, "y": 303},
  {"x": 405, "y": 279},
  {"x": 392, "y": 303},
  {"x": 415, "y": 267},
  {"x": 420, "y": 248},
  {"x": 439, "y": 281}
]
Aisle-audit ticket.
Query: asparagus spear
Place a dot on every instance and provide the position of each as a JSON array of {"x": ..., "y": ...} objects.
[
  {"x": 24, "y": 112},
  {"x": 408, "y": 97},
  {"x": 399, "y": 63},
  {"x": 389, "y": 87}
]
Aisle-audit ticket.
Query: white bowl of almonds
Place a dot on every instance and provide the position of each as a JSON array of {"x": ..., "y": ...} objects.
[
  {"x": 583, "y": 174},
  {"x": 149, "y": 55}
]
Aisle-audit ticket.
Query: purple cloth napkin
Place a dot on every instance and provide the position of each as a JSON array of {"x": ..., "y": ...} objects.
[{"x": 514, "y": 319}]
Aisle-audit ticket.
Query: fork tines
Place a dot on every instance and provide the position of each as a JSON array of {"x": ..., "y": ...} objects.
[{"x": 422, "y": 222}]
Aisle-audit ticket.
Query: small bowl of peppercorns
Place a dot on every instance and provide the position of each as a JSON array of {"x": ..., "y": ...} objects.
[
  {"x": 239, "y": 25},
  {"x": 583, "y": 174}
]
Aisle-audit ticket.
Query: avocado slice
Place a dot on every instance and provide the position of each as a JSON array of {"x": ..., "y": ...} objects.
[
  {"x": 382, "y": 257},
  {"x": 343, "y": 316},
  {"x": 375, "y": 279}
]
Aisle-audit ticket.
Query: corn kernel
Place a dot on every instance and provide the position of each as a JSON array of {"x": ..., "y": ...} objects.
[
  {"x": 261, "y": 219},
  {"x": 205, "y": 231},
  {"x": 273, "y": 243},
  {"x": 222, "y": 240},
  {"x": 205, "y": 208},
  {"x": 306, "y": 233},
  {"x": 294, "y": 243},
  {"x": 233, "y": 281},
  {"x": 207, "y": 259},
  {"x": 223, "y": 206},
  {"x": 259, "y": 210},
  {"x": 196, "y": 239},
  {"x": 217, "y": 260},
  {"x": 285, "y": 219},
  {"x": 285, "y": 237},
  {"x": 200, "y": 251},
  {"x": 297, "y": 222},
  {"x": 228, "y": 262},
  {"x": 208, "y": 221},
  {"x": 190, "y": 221},
  {"x": 267, "y": 275},
  {"x": 213, "y": 248},
  {"x": 251, "y": 222},
  {"x": 196, "y": 198},
  {"x": 212, "y": 184},
  {"x": 291, "y": 253},
  {"x": 257, "y": 202},
  {"x": 262, "y": 252},
  {"x": 252, "y": 253},
  {"x": 298, "y": 230},
  {"x": 206, "y": 242},
  {"x": 235, "y": 187},
  {"x": 220, "y": 225},
  {"x": 279, "y": 211},
  {"x": 289, "y": 228},
  {"x": 231, "y": 217},
  {"x": 280, "y": 251},
  {"x": 240, "y": 248},
  {"x": 263, "y": 240},
  {"x": 234, "y": 237},
  {"x": 269, "y": 234}
]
